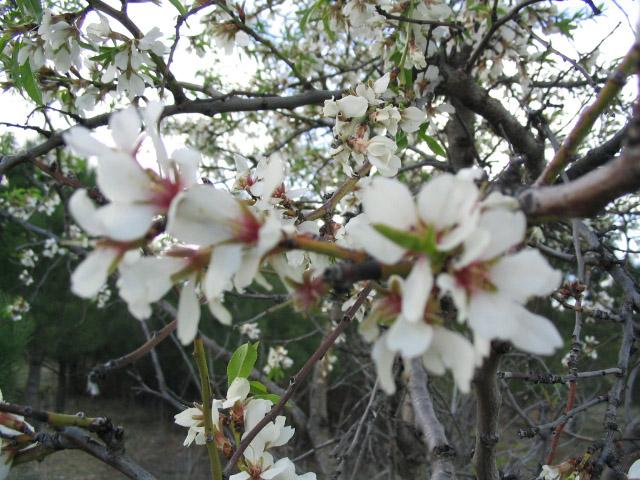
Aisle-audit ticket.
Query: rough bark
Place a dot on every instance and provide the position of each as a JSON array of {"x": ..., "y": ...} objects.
[{"x": 488, "y": 400}]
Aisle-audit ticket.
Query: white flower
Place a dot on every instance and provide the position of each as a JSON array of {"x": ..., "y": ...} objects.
[
  {"x": 146, "y": 280},
  {"x": 381, "y": 154},
  {"x": 353, "y": 106},
  {"x": 412, "y": 118},
  {"x": 549, "y": 473},
  {"x": 489, "y": 286},
  {"x": 204, "y": 215},
  {"x": 193, "y": 418},
  {"x": 389, "y": 116},
  {"x": 414, "y": 334},
  {"x": 634, "y": 471},
  {"x": 250, "y": 330},
  {"x": 238, "y": 391},
  {"x": 446, "y": 206},
  {"x": 135, "y": 194}
]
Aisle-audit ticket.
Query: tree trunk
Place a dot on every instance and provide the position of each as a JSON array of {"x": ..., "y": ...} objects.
[
  {"x": 31, "y": 393},
  {"x": 61, "y": 391}
]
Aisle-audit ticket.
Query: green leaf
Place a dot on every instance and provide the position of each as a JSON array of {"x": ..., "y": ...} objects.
[
  {"x": 242, "y": 362},
  {"x": 33, "y": 8},
  {"x": 408, "y": 240},
  {"x": 434, "y": 146},
  {"x": 181, "y": 8},
  {"x": 268, "y": 396},
  {"x": 401, "y": 139},
  {"x": 257, "y": 388},
  {"x": 327, "y": 26},
  {"x": 29, "y": 83}
]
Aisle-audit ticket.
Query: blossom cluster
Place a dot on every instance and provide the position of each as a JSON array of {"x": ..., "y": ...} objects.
[
  {"x": 356, "y": 119},
  {"x": 234, "y": 417},
  {"x": 460, "y": 246},
  {"x": 224, "y": 238}
]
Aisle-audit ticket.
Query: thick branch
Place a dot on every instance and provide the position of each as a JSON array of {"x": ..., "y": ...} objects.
[
  {"x": 488, "y": 402},
  {"x": 458, "y": 84},
  {"x": 435, "y": 437},
  {"x": 587, "y": 194}
]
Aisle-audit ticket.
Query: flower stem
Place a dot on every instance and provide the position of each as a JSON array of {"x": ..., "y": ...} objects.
[{"x": 205, "y": 387}]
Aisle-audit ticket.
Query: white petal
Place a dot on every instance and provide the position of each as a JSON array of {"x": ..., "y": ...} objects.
[
  {"x": 188, "y": 313},
  {"x": 202, "y": 215},
  {"x": 376, "y": 245},
  {"x": 492, "y": 315},
  {"x": 83, "y": 143},
  {"x": 507, "y": 230},
  {"x": 121, "y": 178},
  {"x": 389, "y": 202},
  {"x": 89, "y": 277},
  {"x": 225, "y": 262},
  {"x": 219, "y": 312},
  {"x": 446, "y": 202},
  {"x": 240, "y": 476},
  {"x": 383, "y": 359},
  {"x": 188, "y": 161},
  {"x": 125, "y": 128},
  {"x": 416, "y": 290},
  {"x": 255, "y": 411},
  {"x": 535, "y": 334},
  {"x": 238, "y": 390},
  {"x": 380, "y": 86},
  {"x": 126, "y": 221},
  {"x": 84, "y": 213},
  {"x": 524, "y": 274},
  {"x": 352, "y": 106},
  {"x": 457, "y": 354},
  {"x": 248, "y": 269},
  {"x": 634, "y": 471},
  {"x": 408, "y": 338},
  {"x": 151, "y": 118}
]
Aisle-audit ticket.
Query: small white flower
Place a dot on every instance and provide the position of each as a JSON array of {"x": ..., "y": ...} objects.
[{"x": 381, "y": 153}]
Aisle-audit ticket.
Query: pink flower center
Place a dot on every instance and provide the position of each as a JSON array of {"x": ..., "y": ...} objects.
[
  {"x": 247, "y": 229},
  {"x": 166, "y": 191},
  {"x": 474, "y": 277}
]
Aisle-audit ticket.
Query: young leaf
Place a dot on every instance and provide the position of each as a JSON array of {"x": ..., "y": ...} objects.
[
  {"x": 434, "y": 146},
  {"x": 181, "y": 8},
  {"x": 242, "y": 362},
  {"x": 29, "y": 83}
]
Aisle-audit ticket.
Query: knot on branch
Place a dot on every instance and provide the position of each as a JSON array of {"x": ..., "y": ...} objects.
[
  {"x": 444, "y": 451},
  {"x": 489, "y": 439},
  {"x": 528, "y": 432}
]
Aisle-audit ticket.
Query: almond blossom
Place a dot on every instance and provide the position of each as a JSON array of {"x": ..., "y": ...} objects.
[
  {"x": 193, "y": 419},
  {"x": 136, "y": 195},
  {"x": 489, "y": 285}
]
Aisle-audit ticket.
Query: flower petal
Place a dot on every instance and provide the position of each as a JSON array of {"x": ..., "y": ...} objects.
[
  {"x": 416, "y": 290},
  {"x": 507, "y": 230},
  {"x": 524, "y": 274},
  {"x": 383, "y": 358},
  {"x": 121, "y": 179},
  {"x": 126, "y": 221},
  {"x": 84, "y": 213},
  {"x": 203, "y": 215},
  {"x": 188, "y": 313},
  {"x": 125, "y": 128},
  {"x": 409, "y": 338},
  {"x": 389, "y": 202},
  {"x": 225, "y": 262},
  {"x": 535, "y": 334},
  {"x": 89, "y": 277}
]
